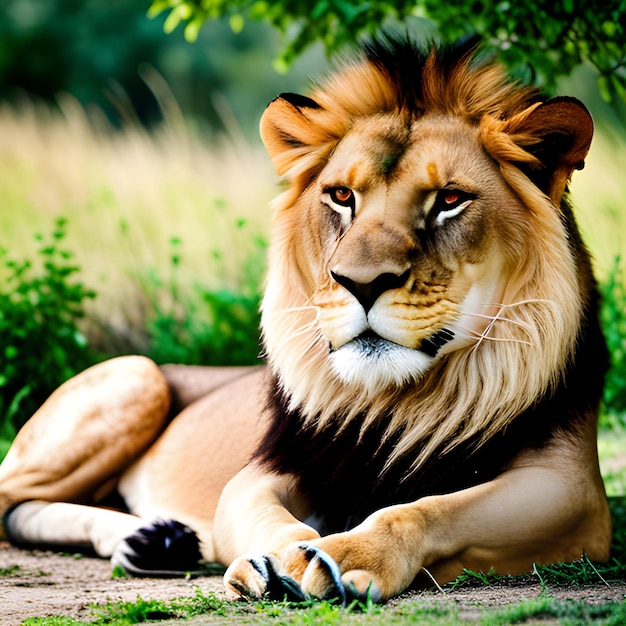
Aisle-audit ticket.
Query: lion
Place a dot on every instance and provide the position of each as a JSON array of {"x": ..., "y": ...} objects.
[{"x": 434, "y": 361}]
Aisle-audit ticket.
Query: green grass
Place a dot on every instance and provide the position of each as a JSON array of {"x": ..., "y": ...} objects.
[
  {"x": 440, "y": 612},
  {"x": 566, "y": 612},
  {"x": 436, "y": 608}
]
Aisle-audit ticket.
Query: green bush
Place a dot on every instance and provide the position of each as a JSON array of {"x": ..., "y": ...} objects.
[
  {"x": 40, "y": 343},
  {"x": 205, "y": 326},
  {"x": 215, "y": 328},
  {"x": 613, "y": 316}
]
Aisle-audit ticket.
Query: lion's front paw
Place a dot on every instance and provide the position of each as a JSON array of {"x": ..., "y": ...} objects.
[{"x": 299, "y": 572}]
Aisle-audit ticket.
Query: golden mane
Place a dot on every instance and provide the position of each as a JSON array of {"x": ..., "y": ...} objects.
[
  {"x": 474, "y": 392},
  {"x": 398, "y": 77}
]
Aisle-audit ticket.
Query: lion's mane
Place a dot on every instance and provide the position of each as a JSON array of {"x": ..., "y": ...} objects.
[{"x": 539, "y": 372}]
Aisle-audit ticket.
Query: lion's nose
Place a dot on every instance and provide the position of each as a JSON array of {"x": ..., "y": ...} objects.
[{"x": 368, "y": 292}]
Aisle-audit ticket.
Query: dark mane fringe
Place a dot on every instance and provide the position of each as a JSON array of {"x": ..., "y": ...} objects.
[
  {"x": 447, "y": 77},
  {"x": 402, "y": 61}
]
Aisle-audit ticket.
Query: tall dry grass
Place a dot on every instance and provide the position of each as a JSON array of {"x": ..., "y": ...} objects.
[
  {"x": 599, "y": 193},
  {"x": 132, "y": 199}
]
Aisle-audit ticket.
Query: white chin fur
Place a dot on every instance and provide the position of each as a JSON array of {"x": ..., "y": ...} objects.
[{"x": 380, "y": 366}]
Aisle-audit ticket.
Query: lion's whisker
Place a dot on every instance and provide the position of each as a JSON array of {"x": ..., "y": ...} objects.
[
  {"x": 510, "y": 305},
  {"x": 298, "y": 309},
  {"x": 316, "y": 337},
  {"x": 489, "y": 327},
  {"x": 497, "y": 318},
  {"x": 302, "y": 330},
  {"x": 483, "y": 337}
]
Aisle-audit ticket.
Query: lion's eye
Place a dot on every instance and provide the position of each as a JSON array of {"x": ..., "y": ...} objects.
[
  {"x": 451, "y": 197},
  {"x": 342, "y": 196},
  {"x": 450, "y": 203},
  {"x": 342, "y": 202}
]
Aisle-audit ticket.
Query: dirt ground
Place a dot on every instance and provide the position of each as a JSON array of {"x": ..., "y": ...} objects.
[{"x": 41, "y": 584}]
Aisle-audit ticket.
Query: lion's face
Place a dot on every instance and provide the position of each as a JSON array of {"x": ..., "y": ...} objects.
[
  {"x": 417, "y": 230},
  {"x": 413, "y": 256}
]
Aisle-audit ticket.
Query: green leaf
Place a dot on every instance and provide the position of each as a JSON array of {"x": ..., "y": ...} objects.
[
  {"x": 236, "y": 22},
  {"x": 319, "y": 9},
  {"x": 11, "y": 352},
  {"x": 157, "y": 7},
  {"x": 181, "y": 12},
  {"x": 192, "y": 29},
  {"x": 609, "y": 28},
  {"x": 605, "y": 90},
  {"x": 618, "y": 83}
]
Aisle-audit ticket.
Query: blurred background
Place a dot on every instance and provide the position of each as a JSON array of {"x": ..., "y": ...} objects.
[
  {"x": 134, "y": 190},
  {"x": 146, "y": 144}
]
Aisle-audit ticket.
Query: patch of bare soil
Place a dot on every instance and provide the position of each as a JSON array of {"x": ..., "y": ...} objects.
[{"x": 41, "y": 584}]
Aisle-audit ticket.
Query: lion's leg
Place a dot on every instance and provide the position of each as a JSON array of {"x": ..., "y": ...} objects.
[
  {"x": 182, "y": 476},
  {"x": 547, "y": 508},
  {"x": 260, "y": 513},
  {"x": 85, "y": 434},
  {"x": 65, "y": 525}
]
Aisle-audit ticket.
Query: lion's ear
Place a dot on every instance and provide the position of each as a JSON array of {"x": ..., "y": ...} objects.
[
  {"x": 558, "y": 133},
  {"x": 290, "y": 130}
]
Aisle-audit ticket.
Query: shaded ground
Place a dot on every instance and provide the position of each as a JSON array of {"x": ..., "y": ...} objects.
[{"x": 40, "y": 584}]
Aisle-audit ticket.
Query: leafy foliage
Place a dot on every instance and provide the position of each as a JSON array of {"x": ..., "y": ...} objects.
[
  {"x": 206, "y": 327},
  {"x": 613, "y": 316},
  {"x": 40, "y": 343},
  {"x": 547, "y": 38}
]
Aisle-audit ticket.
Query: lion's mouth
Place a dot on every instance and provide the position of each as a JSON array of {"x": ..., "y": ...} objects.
[
  {"x": 375, "y": 363},
  {"x": 434, "y": 343},
  {"x": 371, "y": 344}
]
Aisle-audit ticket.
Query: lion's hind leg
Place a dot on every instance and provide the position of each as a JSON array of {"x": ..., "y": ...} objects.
[
  {"x": 81, "y": 439},
  {"x": 64, "y": 525},
  {"x": 141, "y": 548}
]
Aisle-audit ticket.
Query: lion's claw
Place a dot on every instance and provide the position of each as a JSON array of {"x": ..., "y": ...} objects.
[
  {"x": 278, "y": 586},
  {"x": 258, "y": 577},
  {"x": 322, "y": 577},
  {"x": 274, "y": 577}
]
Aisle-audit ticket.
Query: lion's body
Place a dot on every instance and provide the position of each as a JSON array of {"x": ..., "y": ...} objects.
[{"x": 435, "y": 358}]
